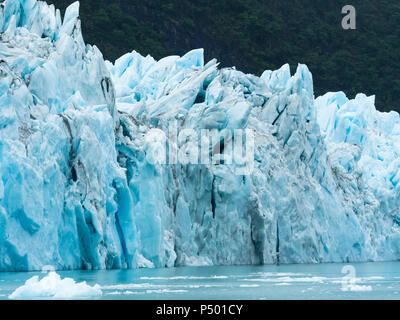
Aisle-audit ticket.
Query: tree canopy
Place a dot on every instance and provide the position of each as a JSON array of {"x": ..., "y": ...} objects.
[{"x": 255, "y": 35}]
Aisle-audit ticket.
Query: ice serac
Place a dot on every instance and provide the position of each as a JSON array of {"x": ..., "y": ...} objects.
[
  {"x": 81, "y": 184},
  {"x": 60, "y": 180},
  {"x": 364, "y": 147}
]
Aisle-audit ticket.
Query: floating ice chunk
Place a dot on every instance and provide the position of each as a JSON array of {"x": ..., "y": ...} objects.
[
  {"x": 249, "y": 285},
  {"x": 117, "y": 293},
  {"x": 356, "y": 287},
  {"x": 290, "y": 279},
  {"x": 159, "y": 291},
  {"x": 53, "y": 287}
]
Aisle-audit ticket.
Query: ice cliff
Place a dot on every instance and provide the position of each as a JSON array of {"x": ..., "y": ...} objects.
[{"x": 81, "y": 184}]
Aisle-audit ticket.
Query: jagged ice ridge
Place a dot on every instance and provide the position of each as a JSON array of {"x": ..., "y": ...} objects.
[{"x": 77, "y": 189}]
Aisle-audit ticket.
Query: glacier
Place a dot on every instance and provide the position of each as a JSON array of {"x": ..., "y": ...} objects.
[{"x": 81, "y": 187}]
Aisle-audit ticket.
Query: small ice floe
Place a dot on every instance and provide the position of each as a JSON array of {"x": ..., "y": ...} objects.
[
  {"x": 356, "y": 287},
  {"x": 165, "y": 291},
  {"x": 53, "y": 287},
  {"x": 126, "y": 293},
  {"x": 289, "y": 279},
  {"x": 249, "y": 285},
  {"x": 134, "y": 286},
  {"x": 280, "y": 274},
  {"x": 349, "y": 281},
  {"x": 215, "y": 277}
]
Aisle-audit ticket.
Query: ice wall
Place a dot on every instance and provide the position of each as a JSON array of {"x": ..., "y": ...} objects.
[{"x": 80, "y": 187}]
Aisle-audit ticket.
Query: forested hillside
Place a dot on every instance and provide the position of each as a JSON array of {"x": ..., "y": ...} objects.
[{"x": 255, "y": 35}]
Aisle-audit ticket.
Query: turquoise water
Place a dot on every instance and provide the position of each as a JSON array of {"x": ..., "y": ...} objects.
[{"x": 324, "y": 281}]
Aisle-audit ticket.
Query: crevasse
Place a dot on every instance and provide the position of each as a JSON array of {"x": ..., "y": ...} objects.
[{"x": 78, "y": 189}]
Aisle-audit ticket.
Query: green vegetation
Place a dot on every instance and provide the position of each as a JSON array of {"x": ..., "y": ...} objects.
[{"x": 255, "y": 35}]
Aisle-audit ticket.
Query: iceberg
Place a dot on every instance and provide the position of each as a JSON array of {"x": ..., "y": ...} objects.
[
  {"x": 53, "y": 287},
  {"x": 135, "y": 164}
]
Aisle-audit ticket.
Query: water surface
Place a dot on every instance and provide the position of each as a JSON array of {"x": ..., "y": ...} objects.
[{"x": 324, "y": 281}]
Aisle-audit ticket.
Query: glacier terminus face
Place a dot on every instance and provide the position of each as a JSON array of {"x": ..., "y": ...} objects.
[{"x": 258, "y": 170}]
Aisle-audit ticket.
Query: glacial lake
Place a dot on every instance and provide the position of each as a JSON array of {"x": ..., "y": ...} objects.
[{"x": 378, "y": 280}]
